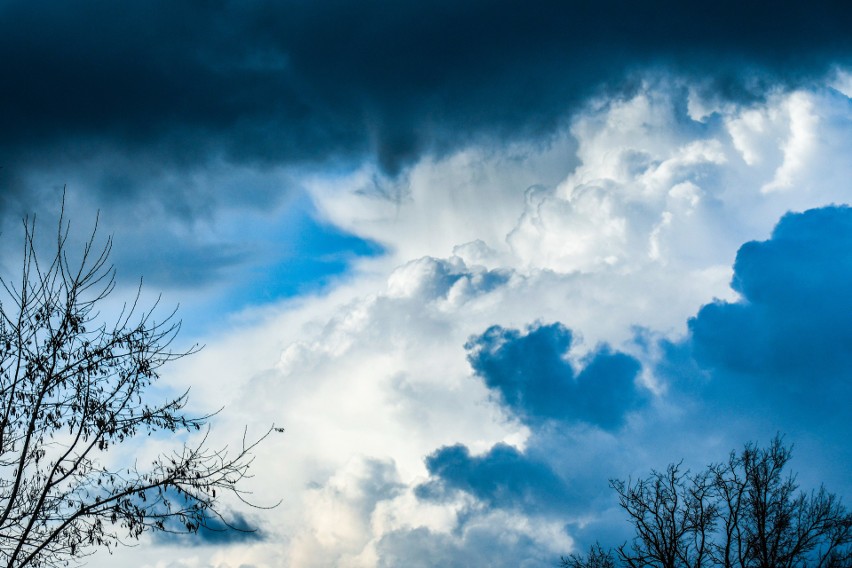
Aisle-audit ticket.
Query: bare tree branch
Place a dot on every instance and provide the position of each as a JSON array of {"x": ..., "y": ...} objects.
[{"x": 71, "y": 388}]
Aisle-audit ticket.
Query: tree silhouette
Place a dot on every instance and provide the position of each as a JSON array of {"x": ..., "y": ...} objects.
[
  {"x": 766, "y": 523},
  {"x": 596, "y": 558},
  {"x": 743, "y": 513},
  {"x": 73, "y": 386},
  {"x": 673, "y": 514}
]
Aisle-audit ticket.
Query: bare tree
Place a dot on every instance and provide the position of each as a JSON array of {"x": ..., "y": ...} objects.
[
  {"x": 767, "y": 523},
  {"x": 743, "y": 513},
  {"x": 673, "y": 514},
  {"x": 71, "y": 388},
  {"x": 596, "y": 558}
]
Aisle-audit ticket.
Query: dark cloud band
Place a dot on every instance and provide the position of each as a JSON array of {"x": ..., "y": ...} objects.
[{"x": 295, "y": 82}]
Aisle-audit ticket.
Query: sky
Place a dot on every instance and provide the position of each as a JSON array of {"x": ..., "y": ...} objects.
[{"x": 477, "y": 258}]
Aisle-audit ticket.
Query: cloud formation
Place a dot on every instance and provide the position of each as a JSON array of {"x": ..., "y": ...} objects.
[
  {"x": 635, "y": 222},
  {"x": 481, "y": 544},
  {"x": 793, "y": 315},
  {"x": 403, "y": 180},
  {"x": 180, "y": 122},
  {"x": 502, "y": 477},
  {"x": 535, "y": 380},
  {"x": 781, "y": 351},
  {"x": 776, "y": 358},
  {"x": 215, "y": 531},
  {"x": 289, "y": 82}
]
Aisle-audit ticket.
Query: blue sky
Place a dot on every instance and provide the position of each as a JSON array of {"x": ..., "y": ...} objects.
[{"x": 476, "y": 257}]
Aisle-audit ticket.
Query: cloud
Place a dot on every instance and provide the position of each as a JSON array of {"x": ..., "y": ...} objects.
[
  {"x": 777, "y": 358},
  {"x": 535, "y": 380},
  {"x": 219, "y": 263},
  {"x": 374, "y": 369},
  {"x": 176, "y": 87},
  {"x": 195, "y": 130},
  {"x": 203, "y": 138},
  {"x": 787, "y": 338},
  {"x": 496, "y": 543},
  {"x": 232, "y": 529},
  {"x": 237, "y": 529},
  {"x": 223, "y": 527},
  {"x": 340, "y": 510},
  {"x": 502, "y": 477}
]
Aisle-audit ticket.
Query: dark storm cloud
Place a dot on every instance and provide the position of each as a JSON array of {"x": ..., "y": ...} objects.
[
  {"x": 533, "y": 379},
  {"x": 174, "y": 83}
]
